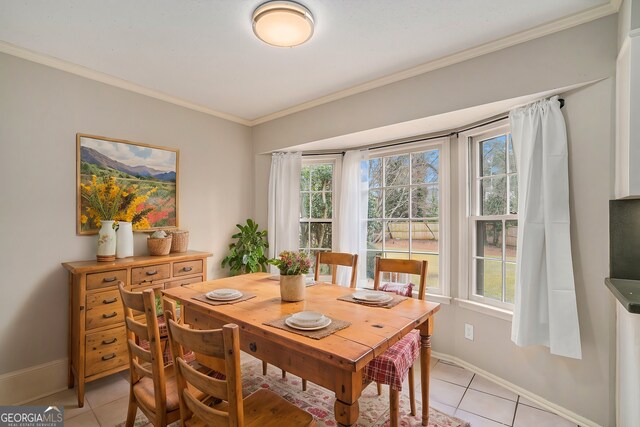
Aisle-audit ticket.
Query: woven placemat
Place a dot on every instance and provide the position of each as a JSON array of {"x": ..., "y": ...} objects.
[
  {"x": 397, "y": 299},
  {"x": 335, "y": 326},
  {"x": 203, "y": 298}
]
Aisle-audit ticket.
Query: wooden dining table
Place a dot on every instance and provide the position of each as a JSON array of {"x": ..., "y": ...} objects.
[{"x": 334, "y": 362}]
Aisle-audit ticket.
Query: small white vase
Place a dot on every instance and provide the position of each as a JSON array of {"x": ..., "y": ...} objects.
[
  {"x": 124, "y": 241},
  {"x": 292, "y": 287},
  {"x": 106, "y": 242}
]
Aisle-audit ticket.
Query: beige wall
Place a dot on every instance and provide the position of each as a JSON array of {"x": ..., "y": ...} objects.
[
  {"x": 580, "y": 54},
  {"x": 41, "y": 109}
]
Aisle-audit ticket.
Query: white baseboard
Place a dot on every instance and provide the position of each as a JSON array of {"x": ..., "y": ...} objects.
[
  {"x": 543, "y": 403},
  {"x": 25, "y": 385}
]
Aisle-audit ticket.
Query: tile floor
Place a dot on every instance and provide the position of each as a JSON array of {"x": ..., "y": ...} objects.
[{"x": 454, "y": 390}]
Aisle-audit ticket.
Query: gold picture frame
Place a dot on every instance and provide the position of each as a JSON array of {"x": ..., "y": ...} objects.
[{"x": 149, "y": 171}]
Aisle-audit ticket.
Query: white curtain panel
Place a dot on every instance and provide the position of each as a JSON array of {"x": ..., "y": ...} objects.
[
  {"x": 352, "y": 216},
  {"x": 545, "y": 310},
  {"x": 284, "y": 204}
]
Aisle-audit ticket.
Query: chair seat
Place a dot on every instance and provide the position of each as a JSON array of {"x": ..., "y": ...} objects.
[
  {"x": 144, "y": 392},
  {"x": 264, "y": 408},
  {"x": 392, "y": 366}
]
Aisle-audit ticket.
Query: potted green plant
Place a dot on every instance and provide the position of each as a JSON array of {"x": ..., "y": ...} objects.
[
  {"x": 293, "y": 267},
  {"x": 248, "y": 254}
]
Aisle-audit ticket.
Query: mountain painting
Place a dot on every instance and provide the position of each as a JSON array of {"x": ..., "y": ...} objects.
[{"x": 141, "y": 178}]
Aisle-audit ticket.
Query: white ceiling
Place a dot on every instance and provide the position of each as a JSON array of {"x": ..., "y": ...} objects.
[{"x": 203, "y": 54}]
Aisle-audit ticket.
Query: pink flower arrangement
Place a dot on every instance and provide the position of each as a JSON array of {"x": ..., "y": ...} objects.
[{"x": 292, "y": 263}]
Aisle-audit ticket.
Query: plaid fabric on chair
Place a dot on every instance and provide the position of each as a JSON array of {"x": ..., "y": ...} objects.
[
  {"x": 166, "y": 350},
  {"x": 392, "y": 366}
]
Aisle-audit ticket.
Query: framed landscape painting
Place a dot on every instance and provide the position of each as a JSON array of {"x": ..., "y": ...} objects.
[{"x": 135, "y": 182}]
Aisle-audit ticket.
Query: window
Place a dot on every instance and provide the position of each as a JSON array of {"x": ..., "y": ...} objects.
[
  {"x": 317, "y": 210},
  {"x": 492, "y": 219},
  {"x": 406, "y": 209}
]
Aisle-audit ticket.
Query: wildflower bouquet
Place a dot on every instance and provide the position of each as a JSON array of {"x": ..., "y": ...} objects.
[
  {"x": 105, "y": 200},
  {"x": 292, "y": 263}
]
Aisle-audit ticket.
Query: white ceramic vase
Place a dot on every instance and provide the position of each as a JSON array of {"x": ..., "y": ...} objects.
[
  {"x": 124, "y": 242},
  {"x": 106, "y": 242},
  {"x": 292, "y": 287}
]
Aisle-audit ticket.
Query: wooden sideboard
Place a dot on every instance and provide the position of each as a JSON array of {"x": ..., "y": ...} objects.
[{"x": 97, "y": 339}]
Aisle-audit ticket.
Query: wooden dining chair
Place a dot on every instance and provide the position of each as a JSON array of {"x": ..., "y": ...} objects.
[
  {"x": 397, "y": 361},
  {"x": 262, "y": 408},
  {"x": 152, "y": 386},
  {"x": 333, "y": 260}
]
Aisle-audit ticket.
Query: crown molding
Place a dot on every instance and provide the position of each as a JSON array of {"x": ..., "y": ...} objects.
[
  {"x": 524, "y": 36},
  {"x": 98, "y": 76}
]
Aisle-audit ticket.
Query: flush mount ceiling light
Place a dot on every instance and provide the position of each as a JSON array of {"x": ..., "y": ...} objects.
[{"x": 283, "y": 23}]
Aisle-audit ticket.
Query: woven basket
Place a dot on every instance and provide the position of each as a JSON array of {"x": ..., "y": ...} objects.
[
  {"x": 159, "y": 246},
  {"x": 180, "y": 240}
]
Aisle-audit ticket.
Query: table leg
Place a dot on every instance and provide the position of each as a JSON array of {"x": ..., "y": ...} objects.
[
  {"x": 346, "y": 414},
  {"x": 425, "y": 367}
]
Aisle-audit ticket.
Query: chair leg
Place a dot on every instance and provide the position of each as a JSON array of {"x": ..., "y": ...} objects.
[
  {"x": 379, "y": 387},
  {"x": 131, "y": 411},
  {"x": 394, "y": 403},
  {"x": 412, "y": 392},
  {"x": 284, "y": 373},
  {"x": 264, "y": 368},
  {"x": 304, "y": 385}
]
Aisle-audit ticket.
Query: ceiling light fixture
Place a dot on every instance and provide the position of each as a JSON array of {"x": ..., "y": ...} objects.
[{"x": 283, "y": 23}]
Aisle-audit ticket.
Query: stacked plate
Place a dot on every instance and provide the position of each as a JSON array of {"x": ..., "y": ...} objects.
[
  {"x": 224, "y": 295},
  {"x": 308, "y": 321},
  {"x": 372, "y": 297}
]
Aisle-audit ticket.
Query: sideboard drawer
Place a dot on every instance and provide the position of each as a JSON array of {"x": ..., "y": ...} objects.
[
  {"x": 187, "y": 267},
  {"x": 106, "y": 350},
  {"x": 103, "y": 299},
  {"x": 150, "y": 273},
  {"x": 182, "y": 282},
  {"x": 106, "y": 279},
  {"x": 104, "y": 315}
]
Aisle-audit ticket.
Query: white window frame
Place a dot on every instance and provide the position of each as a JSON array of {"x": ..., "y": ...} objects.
[
  {"x": 336, "y": 161},
  {"x": 442, "y": 293},
  {"x": 468, "y": 162}
]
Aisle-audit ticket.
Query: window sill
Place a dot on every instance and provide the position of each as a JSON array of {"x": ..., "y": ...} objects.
[
  {"x": 500, "y": 313},
  {"x": 438, "y": 298}
]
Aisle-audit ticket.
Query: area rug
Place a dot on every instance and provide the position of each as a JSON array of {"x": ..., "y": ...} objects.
[{"x": 318, "y": 401}]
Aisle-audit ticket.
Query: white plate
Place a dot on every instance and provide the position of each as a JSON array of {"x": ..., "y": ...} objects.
[
  {"x": 223, "y": 296},
  {"x": 308, "y": 318},
  {"x": 294, "y": 325},
  {"x": 372, "y": 297}
]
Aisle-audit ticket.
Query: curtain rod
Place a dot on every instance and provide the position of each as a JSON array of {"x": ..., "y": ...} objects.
[{"x": 430, "y": 138}]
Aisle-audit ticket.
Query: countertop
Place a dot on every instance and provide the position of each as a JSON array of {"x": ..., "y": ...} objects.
[{"x": 626, "y": 291}]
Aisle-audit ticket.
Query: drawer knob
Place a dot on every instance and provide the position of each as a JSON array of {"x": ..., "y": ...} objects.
[
  {"x": 151, "y": 273},
  {"x": 253, "y": 347},
  {"x": 109, "y": 316},
  {"x": 187, "y": 269},
  {"x": 111, "y": 341},
  {"x": 110, "y": 301},
  {"x": 110, "y": 279},
  {"x": 108, "y": 356}
]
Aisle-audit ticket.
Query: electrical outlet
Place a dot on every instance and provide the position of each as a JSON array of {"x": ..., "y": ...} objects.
[{"x": 468, "y": 331}]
